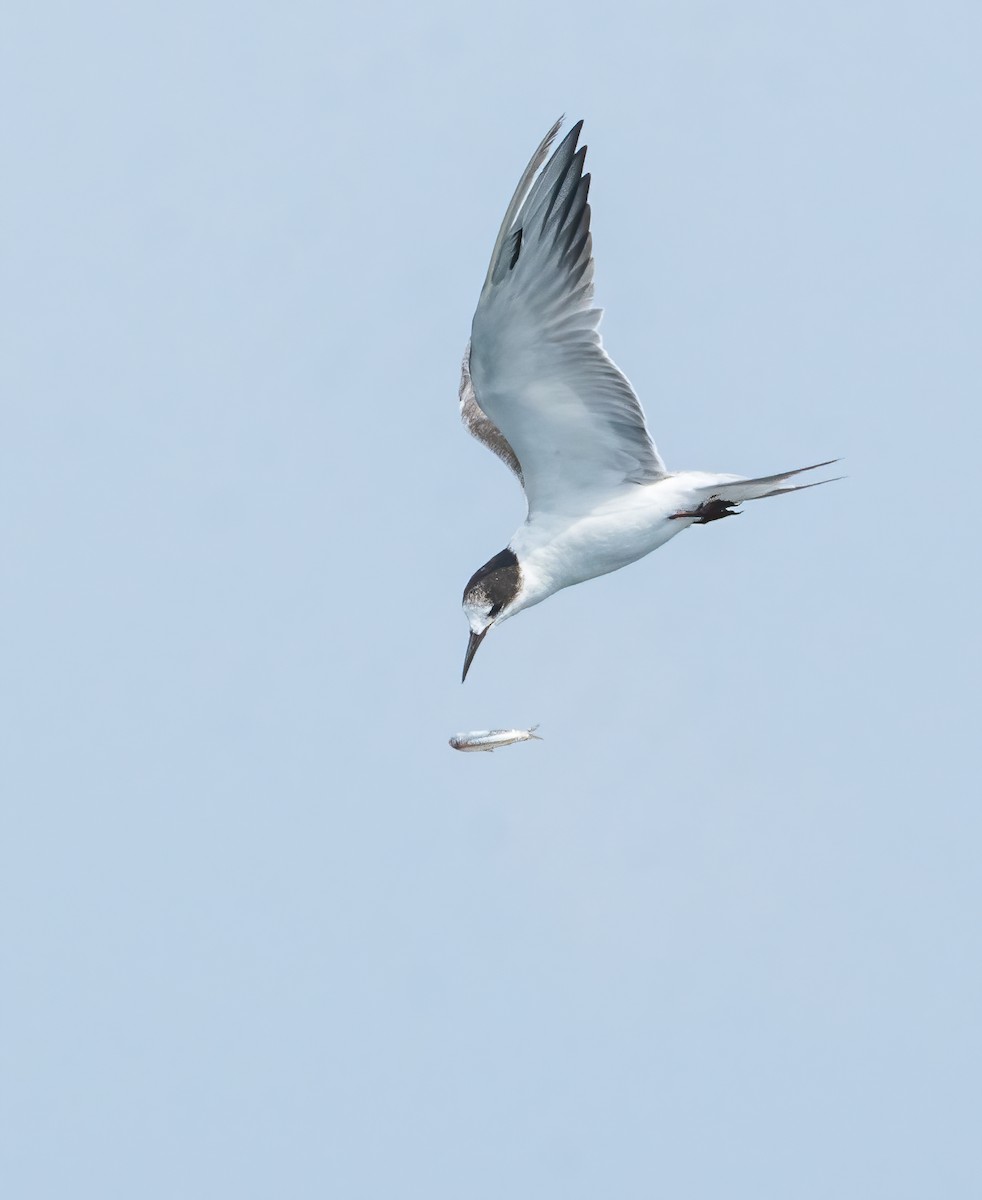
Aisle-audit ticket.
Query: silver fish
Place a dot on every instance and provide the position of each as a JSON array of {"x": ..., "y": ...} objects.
[{"x": 491, "y": 739}]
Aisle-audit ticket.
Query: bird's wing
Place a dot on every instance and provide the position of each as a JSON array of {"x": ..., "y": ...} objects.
[
  {"x": 538, "y": 372},
  {"x": 478, "y": 423}
]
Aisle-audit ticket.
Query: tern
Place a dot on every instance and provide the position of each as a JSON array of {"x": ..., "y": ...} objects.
[{"x": 539, "y": 390}]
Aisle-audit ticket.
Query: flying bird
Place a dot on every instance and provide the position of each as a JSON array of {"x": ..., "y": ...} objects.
[{"x": 539, "y": 390}]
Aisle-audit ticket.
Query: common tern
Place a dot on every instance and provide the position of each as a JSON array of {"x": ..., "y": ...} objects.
[{"x": 538, "y": 389}]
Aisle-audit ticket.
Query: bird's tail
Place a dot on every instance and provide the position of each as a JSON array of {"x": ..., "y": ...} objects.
[{"x": 735, "y": 490}]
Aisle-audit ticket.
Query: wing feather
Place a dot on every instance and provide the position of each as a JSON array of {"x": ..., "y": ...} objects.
[
  {"x": 539, "y": 375},
  {"x": 479, "y": 425}
]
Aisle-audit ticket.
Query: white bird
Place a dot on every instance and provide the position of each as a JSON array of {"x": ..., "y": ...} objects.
[{"x": 538, "y": 389}]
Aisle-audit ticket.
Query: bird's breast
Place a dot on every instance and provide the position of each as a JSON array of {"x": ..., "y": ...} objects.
[{"x": 557, "y": 551}]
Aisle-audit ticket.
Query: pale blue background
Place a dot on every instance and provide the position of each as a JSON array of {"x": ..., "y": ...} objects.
[{"x": 264, "y": 933}]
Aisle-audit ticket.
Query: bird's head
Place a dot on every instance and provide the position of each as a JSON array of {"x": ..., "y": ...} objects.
[{"x": 492, "y": 594}]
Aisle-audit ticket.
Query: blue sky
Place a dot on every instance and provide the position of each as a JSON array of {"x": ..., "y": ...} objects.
[{"x": 263, "y": 932}]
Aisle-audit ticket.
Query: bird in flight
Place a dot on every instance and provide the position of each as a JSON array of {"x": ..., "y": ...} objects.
[{"x": 539, "y": 390}]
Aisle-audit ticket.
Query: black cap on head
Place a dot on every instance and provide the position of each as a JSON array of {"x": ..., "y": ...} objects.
[
  {"x": 490, "y": 589},
  {"x": 497, "y": 582}
]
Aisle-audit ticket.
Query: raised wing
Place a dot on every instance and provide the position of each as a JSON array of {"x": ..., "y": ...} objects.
[
  {"x": 478, "y": 424},
  {"x": 539, "y": 373}
]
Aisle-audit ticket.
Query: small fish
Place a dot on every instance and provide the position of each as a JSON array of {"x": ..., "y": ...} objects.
[{"x": 491, "y": 739}]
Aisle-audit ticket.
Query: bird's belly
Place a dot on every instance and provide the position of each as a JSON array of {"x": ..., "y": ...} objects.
[
  {"x": 604, "y": 546},
  {"x": 562, "y": 554}
]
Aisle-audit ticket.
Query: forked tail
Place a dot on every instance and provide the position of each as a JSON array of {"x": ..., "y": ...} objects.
[{"x": 735, "y": 490}]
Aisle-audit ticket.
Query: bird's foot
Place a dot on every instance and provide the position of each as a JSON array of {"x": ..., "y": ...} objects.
[{"x": 710, "y": 510}]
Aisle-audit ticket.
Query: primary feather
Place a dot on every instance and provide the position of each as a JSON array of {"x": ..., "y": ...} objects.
[{"x": 558, "y": 410}]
